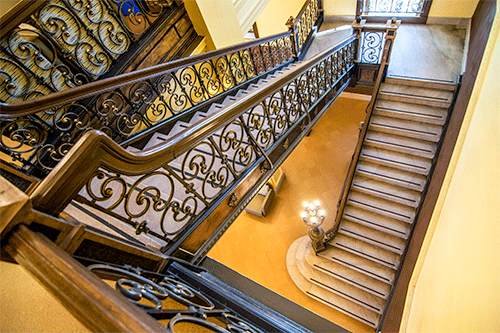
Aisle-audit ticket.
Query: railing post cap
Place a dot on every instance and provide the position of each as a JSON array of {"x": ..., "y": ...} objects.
[
  {"x": 358, "y": 22},
  {"x": 393, "y": 23}
]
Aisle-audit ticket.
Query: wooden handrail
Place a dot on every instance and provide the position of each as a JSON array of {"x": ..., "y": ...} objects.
[
  {"x": 95, "y": 149},
  {"x": 59, "y": 98},
  {"x": 384, "y": 63},
  {"x": 97, "y": 305}
]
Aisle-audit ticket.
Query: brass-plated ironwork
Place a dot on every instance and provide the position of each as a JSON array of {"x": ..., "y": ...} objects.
[
  {"x": 188, "y": 306},
  {"x": 392, "y": 7},
  {"x": 38, "y": 130},
  {"x": 168, "y": 189},
  {"x": 303, "y": 24},
  {"x": 372, "y": 43}
]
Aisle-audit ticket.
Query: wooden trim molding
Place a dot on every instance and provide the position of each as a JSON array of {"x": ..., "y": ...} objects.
[{"x": 481, "y": 24}]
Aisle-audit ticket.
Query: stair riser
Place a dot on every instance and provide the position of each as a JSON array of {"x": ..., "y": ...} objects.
[
  {"x": 409, "y": 116},
  {"x": 403, "y": 167},
  {"x": 392, "y": 181},
  {"x": 421, "y": 83},
  {"x": 400, "y": 149},
  {"x": 405, "y": 133},
  {"x": 377, "y": 210},
  {"x": 386, "y": 196},
  {"x": 414, "y": 100},
  {"x": 394, "y": 249}
]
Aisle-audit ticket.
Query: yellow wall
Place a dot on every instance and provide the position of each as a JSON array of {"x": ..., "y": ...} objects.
[
  {"x": 453, "y": 8},
  {"x": 273, "y": 18},
  {"x": 456, "y": 283},
  {"x": 25, "y": 306},
  {"x": 216, "y": 20},
  {"x": 339, "y": 7}
]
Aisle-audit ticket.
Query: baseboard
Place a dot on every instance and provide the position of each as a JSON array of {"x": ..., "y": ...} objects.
[
  {"x": 351, "y": 95},
  {"x": 339, "y": 18}
]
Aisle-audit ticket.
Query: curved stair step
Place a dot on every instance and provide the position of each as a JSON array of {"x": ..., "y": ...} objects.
[
  {"x": 380, "y": 206},
  {"x": 376, "y": 221},
  {"x": 406, "y": 128},
  {"x": 348, "y": 275},
  {"x": 416, "y": 112},
  {"x": 366, "y": 250},
  {"x": 330, "y": 299},
  {"x": 372, "y": 236},
  {"x": 337, "y": 286},
  {"x": 359, "y": 264},
  {"x": 386, "y": 191},
  {"x": 396, "y": 160},
  {"x": 392, "y": 176},
  {"x": 400, "y": 144}
]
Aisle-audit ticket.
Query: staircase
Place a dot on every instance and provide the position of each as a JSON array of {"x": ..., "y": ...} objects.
[
  {"x": 85, "y": 209},
  {"x": 356, "y": 272}
]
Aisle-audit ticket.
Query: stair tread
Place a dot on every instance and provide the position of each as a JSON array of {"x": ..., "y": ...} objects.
[
  {"x": 376, "y": 221},
  {"x": 390, "y": 175},
  {"x": 360, "y": 264},
  {"x": 366, "y": 250},
  {"x": 330, "y": 299},
  {"x": 414, "y": 91},
  {"x": 380, "y": 206},
  {"x": 426, "y": 83},
  {"x": 334, "y": 301},
  {"x": 401, "y": 144},
  {"x": 355, "y": 278},
  {"x": 372, "y": 236},
  {"x": 418, "y": 112},
  {"x": 336, "y": 286},
  {"x": 397, "y": 160},
  {"x": 386, "y": 191},
  {"x": 405, "y": 127}
]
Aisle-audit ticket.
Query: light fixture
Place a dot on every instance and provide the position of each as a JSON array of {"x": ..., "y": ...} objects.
[{"x": 313, "y": 216}]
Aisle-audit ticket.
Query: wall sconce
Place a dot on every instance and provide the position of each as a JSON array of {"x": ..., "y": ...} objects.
[{"x": 313, "y": 216}]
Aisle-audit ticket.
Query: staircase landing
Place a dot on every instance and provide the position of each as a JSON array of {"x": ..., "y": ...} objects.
[{"x": 428, "y": 51}]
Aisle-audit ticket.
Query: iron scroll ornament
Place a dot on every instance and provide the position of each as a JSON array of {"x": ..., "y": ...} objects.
[{"x": 149, "y": 295}]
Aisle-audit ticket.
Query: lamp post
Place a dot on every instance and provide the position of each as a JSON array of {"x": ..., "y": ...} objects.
[{"x": 313, "y": 216}]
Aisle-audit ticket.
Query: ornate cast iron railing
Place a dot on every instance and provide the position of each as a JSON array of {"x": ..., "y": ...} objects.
[
  {"x": 303, "y": 24},
  {"x": 393, "y": 7},
  {"x": 171, "y": 189},
  {"x": 389, "y": 33},
  {"x": 66, "y": 43},
  {"x": 115, "y": 297},
  {"x": 37, "y": 133}
]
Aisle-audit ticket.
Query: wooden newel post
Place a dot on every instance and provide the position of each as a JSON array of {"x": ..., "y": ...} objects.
[
  {"x": 357, "y": 26},
  {"x": 291, "y": 27},
  {"x": 98, "y": 306}
]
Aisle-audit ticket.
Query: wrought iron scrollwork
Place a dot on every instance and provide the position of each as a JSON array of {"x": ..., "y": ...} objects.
[
  {"x": 372, "y": 43},
  {"x": 305, "y": 22},
  {"x": 151, "y": 296},
  {"x": 393, "y": 6}
]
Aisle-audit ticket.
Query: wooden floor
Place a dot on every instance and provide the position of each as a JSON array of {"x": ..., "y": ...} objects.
[{"x": 256, "y": 247}]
